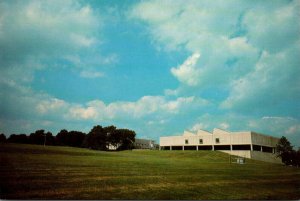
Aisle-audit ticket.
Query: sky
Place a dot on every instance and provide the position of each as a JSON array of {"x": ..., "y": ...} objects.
[{"x": 156, "y": 67}]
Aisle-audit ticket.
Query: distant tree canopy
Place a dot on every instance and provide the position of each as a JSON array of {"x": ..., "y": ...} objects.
[
  {"x": 100, "y": 138},
  {"x": 21, "y": 138},
  {"x": 2, "y": 138},
  {"x": 126, "y": 139},
  {"x": 285, "y": 151},
  {"x": 40, "y": 137},
  {"x": 72, "y": 138}
]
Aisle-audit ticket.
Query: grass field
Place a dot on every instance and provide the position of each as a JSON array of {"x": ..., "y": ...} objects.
[{"x": 37, "y": 172}]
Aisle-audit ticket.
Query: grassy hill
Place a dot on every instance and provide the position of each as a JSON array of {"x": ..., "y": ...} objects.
[{"x": 37, "y": 172}]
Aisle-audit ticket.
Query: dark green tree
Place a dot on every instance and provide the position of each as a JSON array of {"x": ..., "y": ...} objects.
[
  {"x": 21, "y": 138},
  {"x": 62, "y": 138},
  {"x": 38, "y": 137},
  {"x": 284, "y": 150},
  {"x": 112, "y": 137},
  {"x": 50, "y": 139},
  {"x": 295, "y": 158},
  {"x": 96, "y": 139},
  {"x": 72, "y": 138},
  {"x": 2, "y": 138},
  {"x": 127, "y": 138},
  {"x": 75, "y": 138},
  {"x": 41, "y": 138}
]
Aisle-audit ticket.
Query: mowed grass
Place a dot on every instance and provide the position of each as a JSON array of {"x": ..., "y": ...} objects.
[{"x": 37, "y": 172}]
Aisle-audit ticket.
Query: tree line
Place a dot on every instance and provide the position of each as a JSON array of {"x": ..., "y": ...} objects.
[
  {"x": 288, "y": 155},
  {"x": 99, "y": 138}
]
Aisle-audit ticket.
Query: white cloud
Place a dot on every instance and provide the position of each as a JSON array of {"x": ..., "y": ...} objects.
[
  {"x": 145, "y": 106},
  {"x": 171, "y": 92},
  {"x": 211, "y": 28},
  {"x": 249, "y": 50},
  {"x": 39, "y": 34},
  {"x": 224, "y": 125},
  {"x": 82, "y": 40},
  {"x": 295, "y": 129},
  {"x": 188, "y": 72},
  {"x": 273, "y": 82},
  {"x": 198, "y": 126},
  {"x": 83, "y": 113},
  {"x": 50, "y": 105},
  {"x": 91, "y": 74},
  {"x": 273, "y": 27},
  {"x": 278, "y": 118}
]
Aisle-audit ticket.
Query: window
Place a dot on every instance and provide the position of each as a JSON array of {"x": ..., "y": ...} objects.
[
  {"x": 217, "y": 140},
  {"x": 186, "y": 141},
  {"x": 200, "y": 141}
]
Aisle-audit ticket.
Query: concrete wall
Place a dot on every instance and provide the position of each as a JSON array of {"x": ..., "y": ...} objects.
[
  {"x": 264, "y": 140},
  {"x": 256, "y": 155},
  {"x": 245, "y": 154},
  {"x": 263, "y": 156},
  {"x": 172, "y": 141},
  {"x": 223, "y": 136},
  {"x": 239, "y": 138}
]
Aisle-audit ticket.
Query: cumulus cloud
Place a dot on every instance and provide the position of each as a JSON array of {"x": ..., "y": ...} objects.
[
  {"x": 271, "y": 85},
  {"x": 39, "y": 34},
  {"x": 249, "y": 50},
  {"x": 273, "y": 27},
  {"x": 225, "y": 52},
  {"x": 188, "y": 72},
  {"x": 145, "y": 106}
]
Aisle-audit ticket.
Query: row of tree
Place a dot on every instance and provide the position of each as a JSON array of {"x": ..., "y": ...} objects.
[
  {"x": 100, "y": 138},
  {"x": 288, "y": 155}
]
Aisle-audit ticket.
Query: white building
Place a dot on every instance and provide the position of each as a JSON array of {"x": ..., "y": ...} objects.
[{"x": 247, "y": 144}]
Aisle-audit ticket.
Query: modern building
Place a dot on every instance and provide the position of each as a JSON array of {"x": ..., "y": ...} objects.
[
  {"x": 144, "y": 144},
  {"x": 246, "y": 144}
]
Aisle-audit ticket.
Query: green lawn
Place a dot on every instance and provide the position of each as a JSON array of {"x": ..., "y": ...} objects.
[{"x": 37, "y": 172}]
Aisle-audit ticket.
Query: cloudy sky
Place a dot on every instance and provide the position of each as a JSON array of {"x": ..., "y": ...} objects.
[{"x": 157, "y": 67}]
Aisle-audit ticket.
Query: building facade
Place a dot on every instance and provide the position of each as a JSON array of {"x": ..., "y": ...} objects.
[
  {"x": 247, "y": 144},
  {"x": 144, "y": 144}
]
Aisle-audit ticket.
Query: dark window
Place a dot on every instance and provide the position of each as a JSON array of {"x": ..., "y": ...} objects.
[
  {"x": 186, "y": 141},
  {"x": 217, "y": 140},
  {"x": 200, "y": 141}
]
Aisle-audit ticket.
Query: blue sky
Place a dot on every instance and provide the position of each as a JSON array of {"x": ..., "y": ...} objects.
[{"x": 157, "y": 67}]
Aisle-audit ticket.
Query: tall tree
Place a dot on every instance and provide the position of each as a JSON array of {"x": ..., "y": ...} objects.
[
  {"x": 50, "y": 139},
  {"x": 96, "y": 139},
  {"x": 62, "y": 137},
  {"x": 41, "y": 138},
  {"x": 112, "y": 138},
  {"x": 284, "y": 150},
  {"x": 2, "y": 138},
  {"x": 127, "y": 138},
  {"x": 38, "y": 137}
]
